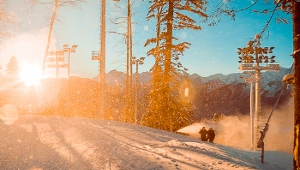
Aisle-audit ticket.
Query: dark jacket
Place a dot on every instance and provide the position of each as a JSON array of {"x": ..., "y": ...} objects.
[
  {"x": 203, "y": 133},
  {"x": 211, "y": 135}
]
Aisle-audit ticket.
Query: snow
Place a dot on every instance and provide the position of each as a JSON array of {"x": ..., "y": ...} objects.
[{"x": 45, "y": 142}]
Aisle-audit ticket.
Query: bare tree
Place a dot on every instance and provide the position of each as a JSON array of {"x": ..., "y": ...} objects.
[{"x": 4, "y": 20}]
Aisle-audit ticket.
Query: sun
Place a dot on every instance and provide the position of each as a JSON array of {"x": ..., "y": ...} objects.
[{"x": 31, "y": 74}]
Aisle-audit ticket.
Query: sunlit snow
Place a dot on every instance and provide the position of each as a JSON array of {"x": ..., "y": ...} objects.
[{"x": 45, "y": 142}]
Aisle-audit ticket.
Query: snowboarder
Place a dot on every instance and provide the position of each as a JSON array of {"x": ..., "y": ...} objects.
[
  {"x": 211, "y": 135},
  {"x": 203, "y": 133}
]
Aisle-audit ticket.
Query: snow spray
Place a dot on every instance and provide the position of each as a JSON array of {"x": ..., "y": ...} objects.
[
  {"x": 280, "y": 136},
  {"x": 235, "y": 130}
]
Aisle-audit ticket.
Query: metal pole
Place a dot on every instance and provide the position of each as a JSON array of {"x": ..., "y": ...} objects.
[
  {"x": 251, "y": 115},
  {"x": 257, "y": 107},
  {"x": 69, "y": 64},
  {"x": 262, "y": 152},
  {"x": 56, "y": 61},
  {"x": 136, "y": 89}
]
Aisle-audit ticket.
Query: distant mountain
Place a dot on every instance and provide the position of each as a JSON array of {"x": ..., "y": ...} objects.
[
  {"x": 229, "y": 94},
  {"x": 222, "y": 94},
  {"x": 120, "y": 77}
]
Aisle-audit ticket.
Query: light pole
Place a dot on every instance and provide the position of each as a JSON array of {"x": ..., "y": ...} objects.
[
  {"x": 96, "y": 55},
  {"x": 58, "y": 59},
  {"x": 137, "y": 62},
  {"x": 251, "y": 80},
  {"x": 250, "y": 59},
  {"x": 69, "y": 50}
]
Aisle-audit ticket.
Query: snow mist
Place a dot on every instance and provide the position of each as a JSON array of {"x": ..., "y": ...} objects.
[
  {"x": 235, "y": 130},
  {"x": 280, "y": 136}
]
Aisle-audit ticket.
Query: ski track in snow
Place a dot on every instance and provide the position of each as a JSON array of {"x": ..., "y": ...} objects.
[{"x": 40, "y": 142}]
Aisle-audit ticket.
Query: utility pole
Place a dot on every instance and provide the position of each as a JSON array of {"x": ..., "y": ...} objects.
[
  {"x": 250, "y": 59},
  {"x": 137, "y": 62},
  {"x": 100, "y": 55},
  {"x": 251, "y": 80},
  {"x": 58, "y": 59},
  {"x": 69, "y": 50}
]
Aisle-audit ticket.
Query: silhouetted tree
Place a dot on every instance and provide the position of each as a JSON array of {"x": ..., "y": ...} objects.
[
  {"x": 222, "y": 117},
  {"x": 164, "y": 107},
  {"x": 216, "y": 117}
]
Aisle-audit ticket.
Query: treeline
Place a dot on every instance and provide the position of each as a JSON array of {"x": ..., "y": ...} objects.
[{"x": 78, "y": 97}]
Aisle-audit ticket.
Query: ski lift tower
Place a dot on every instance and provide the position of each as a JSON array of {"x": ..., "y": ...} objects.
[{"x": 255, "y": 58}]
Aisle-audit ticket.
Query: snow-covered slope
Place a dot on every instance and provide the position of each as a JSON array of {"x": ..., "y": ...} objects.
[{"x": 42, "y": 142}]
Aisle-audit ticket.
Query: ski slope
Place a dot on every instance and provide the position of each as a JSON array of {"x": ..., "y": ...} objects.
[{"x": 45, "y": 142}]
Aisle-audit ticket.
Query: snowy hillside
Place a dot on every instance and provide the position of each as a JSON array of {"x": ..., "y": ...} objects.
[{"x": 44, "y": 142}]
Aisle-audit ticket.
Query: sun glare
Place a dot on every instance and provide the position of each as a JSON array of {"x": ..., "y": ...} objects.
[{"x": 31, "y": 75}]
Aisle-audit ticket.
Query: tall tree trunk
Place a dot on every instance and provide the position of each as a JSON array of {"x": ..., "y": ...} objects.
[
  {"x": 49, "y": 36},
  {"x": 157, "y": 35},
  {"x": 167, "y": 64},
  {"x": 296, "y": 39},
  {"x": 169, "y": 41},
  {"x": 129, "y": 70}
]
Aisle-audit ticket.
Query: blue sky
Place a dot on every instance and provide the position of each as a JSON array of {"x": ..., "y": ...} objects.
[{"x": 213, "y": 49}]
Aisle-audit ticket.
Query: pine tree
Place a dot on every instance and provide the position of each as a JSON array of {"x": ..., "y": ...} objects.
[
  {"x": 165, "y": 110},
  {"x": 216, "y": 117},
  {"x": 12, "y": 68}
]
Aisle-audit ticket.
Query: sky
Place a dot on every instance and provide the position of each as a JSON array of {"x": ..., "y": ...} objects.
[
  {"x": 212, "y": 50},
  {"x": 53, "y": 142}
]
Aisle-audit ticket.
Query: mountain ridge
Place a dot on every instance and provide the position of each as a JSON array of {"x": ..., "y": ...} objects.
[{"x": 218, "y": 93}]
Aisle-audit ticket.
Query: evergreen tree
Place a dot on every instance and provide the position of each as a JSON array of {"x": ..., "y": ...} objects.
[
  {"x": 216, "y": 117},
  {"x": 165, "y": 110},
  {"x": 12, "y": 68}
]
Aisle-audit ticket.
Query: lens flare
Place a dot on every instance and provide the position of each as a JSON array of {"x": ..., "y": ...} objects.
[
  {"x": 31, "y": 74},
  {"x": 186, "y": 92},
  {"x": 8, "y": 114}
]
